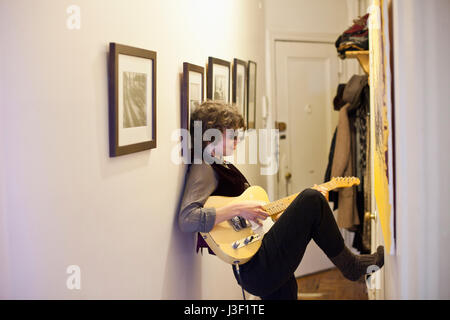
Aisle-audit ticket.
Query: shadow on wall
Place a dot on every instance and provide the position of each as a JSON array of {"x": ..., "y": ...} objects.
[{"x": 182, "y": 277}]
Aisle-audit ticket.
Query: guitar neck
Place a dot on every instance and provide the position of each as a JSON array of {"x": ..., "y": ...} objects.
[{"x": 280, "y": 205}]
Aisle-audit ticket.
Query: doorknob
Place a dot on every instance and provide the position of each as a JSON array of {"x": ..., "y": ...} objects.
[
  {"x": 288, "y": 176},
  {"x": 308, "y": 109},
  {"x": 370, "y": 216},
  {"x": 281, "y": 126}
]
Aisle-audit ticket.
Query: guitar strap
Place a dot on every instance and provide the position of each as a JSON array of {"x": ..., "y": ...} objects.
[{"x": 236, "y": 268}]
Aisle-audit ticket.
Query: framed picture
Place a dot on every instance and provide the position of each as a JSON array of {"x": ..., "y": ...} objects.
[
  {"x": 218, "y": 86},
  {"x": 240, "y": 85},
  {"x": 192, "y": 94},
  {"x": 251, "y": 99},
  {"x": 132, "y": 93}
]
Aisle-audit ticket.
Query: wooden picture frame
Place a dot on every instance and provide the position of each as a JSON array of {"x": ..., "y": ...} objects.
[
  {"x": 218, "y": 85},
  {"x": 239, "y": 97},
  {"x": 132, "y": 99},
  {"x": 251, "y": 97},
  {"x": 192, "y": 93}
]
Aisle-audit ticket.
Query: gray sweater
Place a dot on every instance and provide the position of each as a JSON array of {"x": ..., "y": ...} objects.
[{"x": 201, "y": 181}]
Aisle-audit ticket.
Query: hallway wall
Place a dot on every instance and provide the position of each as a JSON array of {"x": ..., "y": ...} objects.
[
  {"x": 420, "y": 267},
  {"x": 322, "y": 16},
  {"x": 63, "y": 201}
]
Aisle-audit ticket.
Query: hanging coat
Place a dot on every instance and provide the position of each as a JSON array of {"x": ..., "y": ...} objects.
[{"x": 343, "y": 165}]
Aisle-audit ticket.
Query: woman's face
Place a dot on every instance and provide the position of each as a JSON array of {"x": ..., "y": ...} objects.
[
  {"x": 228, "y": 144},
  {"x": 230, "y": 141}
]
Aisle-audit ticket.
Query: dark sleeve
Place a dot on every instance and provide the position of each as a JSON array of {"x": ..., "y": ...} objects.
[{"x": 201, "y": 181}]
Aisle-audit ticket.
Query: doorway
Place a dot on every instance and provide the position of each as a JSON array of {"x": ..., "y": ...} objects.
[{"x": 306, "y": 78}]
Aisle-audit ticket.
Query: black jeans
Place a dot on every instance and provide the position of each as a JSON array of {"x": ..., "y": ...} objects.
[{"x": 270, "y": 272}]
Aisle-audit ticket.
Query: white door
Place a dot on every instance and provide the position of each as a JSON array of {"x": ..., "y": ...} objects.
[{"x": 306, "y": 82}]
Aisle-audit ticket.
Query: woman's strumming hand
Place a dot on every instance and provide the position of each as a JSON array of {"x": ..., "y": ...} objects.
[{"x": 250, "y": 210}]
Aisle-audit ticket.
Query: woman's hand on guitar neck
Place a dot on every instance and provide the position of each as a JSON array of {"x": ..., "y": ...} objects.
[{"x": 250, "y": 210}]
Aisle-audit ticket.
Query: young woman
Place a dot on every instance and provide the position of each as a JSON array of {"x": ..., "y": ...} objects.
[{"x": 269, "y": 274}]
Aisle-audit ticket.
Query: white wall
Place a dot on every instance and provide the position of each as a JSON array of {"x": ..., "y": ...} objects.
[
  {"x": 63, "y": 200},
  {"x": 420, "y": 268},
  {"x": 3, "y": 238},
  {"x": 291, "y": 19},
  {"x": 320, "y": 16}
]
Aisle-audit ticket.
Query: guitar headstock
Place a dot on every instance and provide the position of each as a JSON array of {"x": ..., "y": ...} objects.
[{"x": 344, "y": 182}]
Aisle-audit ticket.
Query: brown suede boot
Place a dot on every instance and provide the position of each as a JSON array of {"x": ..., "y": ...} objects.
[{"x": 354, "y": 266}]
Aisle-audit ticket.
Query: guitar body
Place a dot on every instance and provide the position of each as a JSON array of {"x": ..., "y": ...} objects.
[{"x": 222, "y": 236}]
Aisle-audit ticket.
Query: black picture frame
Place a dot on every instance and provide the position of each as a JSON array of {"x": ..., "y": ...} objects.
[
  {"x": 218, "y": 80},
  {"x": 251, "y": 96},
  {"x": 187, "y": 100},
  {"x": 132, "y": 112}
]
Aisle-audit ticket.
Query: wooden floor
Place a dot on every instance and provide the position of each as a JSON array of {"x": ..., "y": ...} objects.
[{"x": 330, "y": 285}]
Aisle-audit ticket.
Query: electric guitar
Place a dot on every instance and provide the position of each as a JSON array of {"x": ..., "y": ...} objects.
[{"x": 236, "y": 241}]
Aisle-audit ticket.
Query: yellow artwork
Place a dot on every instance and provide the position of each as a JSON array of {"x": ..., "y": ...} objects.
[{"x": 380, "y": 106}]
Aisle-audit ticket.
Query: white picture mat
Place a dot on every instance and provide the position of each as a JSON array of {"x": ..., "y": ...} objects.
[
  {"x": 219, "y": 69},
  {"x": 196, "y": 78},
  {"x": 134, "y": 135},
  {"x": 240, "y": 100}
]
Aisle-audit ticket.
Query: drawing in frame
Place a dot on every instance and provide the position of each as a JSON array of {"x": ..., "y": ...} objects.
[
  {"x": 218, "y": 85},
  {"x": 132, "y": 99},
  {"x": 251, "y": 98},
  {"x": 192, "y": 91},
  {"x": 240, "y": 86}
]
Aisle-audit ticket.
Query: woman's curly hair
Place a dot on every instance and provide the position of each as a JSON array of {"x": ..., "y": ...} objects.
[{"x": 217, "y": 115}]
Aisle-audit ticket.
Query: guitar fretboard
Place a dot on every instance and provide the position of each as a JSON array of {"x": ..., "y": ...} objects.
[{"x": 280, "y": 205}]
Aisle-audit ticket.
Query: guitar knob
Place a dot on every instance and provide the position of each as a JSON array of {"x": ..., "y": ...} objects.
[{"x": 248, "y": 239}]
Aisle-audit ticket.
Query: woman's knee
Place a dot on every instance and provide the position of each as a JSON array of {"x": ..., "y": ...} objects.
[
  {"x": 306, "y": 204},
  {"x": 311, "y": 194},
  {"x": 309, "y": 201}
]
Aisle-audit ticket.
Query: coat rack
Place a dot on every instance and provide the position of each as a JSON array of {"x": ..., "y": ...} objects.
[{"x": 363, "y": 58}]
